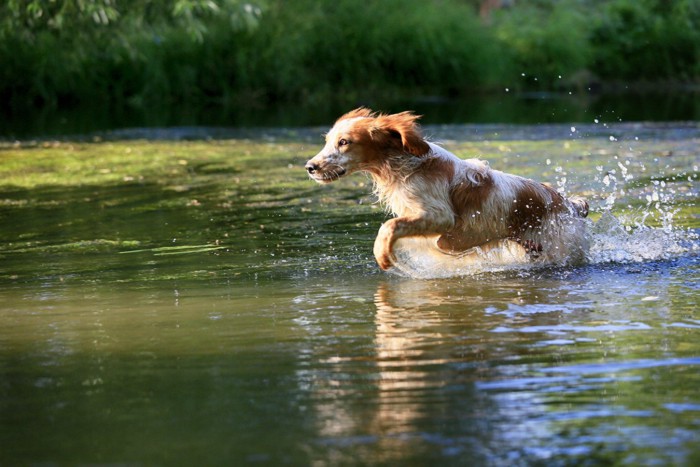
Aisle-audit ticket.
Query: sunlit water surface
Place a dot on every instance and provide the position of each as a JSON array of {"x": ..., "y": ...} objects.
[{"x": 237, "y": 321}]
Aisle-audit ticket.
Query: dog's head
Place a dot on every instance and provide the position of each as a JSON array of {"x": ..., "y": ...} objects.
[{"x": 362, "y": 140}]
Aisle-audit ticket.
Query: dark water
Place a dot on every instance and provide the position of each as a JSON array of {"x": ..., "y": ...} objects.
[
  {"x": 506, "y": 107},
  {"x": 559, "y": 367},
  {"x": 139, "y": 327}
]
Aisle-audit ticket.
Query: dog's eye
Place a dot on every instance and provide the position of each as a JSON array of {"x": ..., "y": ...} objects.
[{"x": 343, "y": 142}]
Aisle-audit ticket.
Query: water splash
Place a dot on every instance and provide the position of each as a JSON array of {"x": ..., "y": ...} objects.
[
  {"x": 614, "y": 242},
  {"x": 419, "y": 257},
  {"x": 629, "y": 236},
  {"x": 611, "y": 241}
]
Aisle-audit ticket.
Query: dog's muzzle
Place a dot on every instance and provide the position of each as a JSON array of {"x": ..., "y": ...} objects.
[
  {"x": 312, "y": 168},
  {"x": 324, "y": 174}
]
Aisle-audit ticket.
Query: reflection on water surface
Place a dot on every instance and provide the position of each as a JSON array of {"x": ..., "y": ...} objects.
[{"x": 223, "y": 309}]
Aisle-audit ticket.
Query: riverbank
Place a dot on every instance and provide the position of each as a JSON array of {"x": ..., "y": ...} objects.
[
  {"x": 235, "y": 54},
  {"x": 505, "y": 107}
]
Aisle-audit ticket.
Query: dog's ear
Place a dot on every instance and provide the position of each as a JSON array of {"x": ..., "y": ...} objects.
[
  {"x": 358, "y": 112},
  {"x": 403, "y": 127}
]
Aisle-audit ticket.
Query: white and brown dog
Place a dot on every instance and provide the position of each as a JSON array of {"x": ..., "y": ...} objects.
[{"x": 461, "y": 205}]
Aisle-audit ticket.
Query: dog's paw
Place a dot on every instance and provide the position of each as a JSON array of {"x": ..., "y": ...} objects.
[
  {"x": 580, "y": 205},
  {"x": 385, "y": 258},
  {"x": 382, "y": 249},
  {"x": 385, "y": 261},
  {"x": 531, "y": 246}
]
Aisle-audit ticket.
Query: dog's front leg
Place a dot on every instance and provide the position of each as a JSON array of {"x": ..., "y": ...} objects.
[
  {"x": 384, "y": 243},
  {"x": 394, "y": 229}
]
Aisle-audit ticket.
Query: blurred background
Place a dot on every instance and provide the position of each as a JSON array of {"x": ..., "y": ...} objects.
[{"x": 85, "y": 65}]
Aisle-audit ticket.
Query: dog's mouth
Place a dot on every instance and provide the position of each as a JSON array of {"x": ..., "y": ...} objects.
[{"x": 325, "y": 175}]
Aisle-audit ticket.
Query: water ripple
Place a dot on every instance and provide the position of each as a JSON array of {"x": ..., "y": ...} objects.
[{"x": 614, "y": 367}]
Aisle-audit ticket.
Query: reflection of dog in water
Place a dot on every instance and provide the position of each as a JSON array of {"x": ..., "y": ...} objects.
[{"x": 462, "y": 208}]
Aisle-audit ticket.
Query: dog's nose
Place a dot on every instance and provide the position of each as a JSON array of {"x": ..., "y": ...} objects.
[{"x": 312, "y": 168}]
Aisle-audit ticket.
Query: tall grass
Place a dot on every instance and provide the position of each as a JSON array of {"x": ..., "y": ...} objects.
[{"x": 159, "y": 52}]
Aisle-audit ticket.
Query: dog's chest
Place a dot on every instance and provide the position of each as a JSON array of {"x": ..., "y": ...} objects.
[
  {"x": 402, "y": 206},
  {"x": 417, "y": 199}
]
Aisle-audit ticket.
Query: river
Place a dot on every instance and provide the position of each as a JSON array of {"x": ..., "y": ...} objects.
[{"x": 188, "y": 296}]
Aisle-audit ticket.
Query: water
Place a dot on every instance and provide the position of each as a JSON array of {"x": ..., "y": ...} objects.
[
  {"x": 203, "y": 302},
  {"x": 503, "y": 107}
]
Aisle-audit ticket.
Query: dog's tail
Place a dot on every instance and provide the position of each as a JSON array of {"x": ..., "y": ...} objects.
[{"x": 580, "y": 206}]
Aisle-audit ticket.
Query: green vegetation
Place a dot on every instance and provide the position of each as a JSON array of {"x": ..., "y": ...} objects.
[
  {"x": 180, "y": 165},
  {"x": 234, "y": 52},
  {"x": 647, "y": 40},
  {"x": 657, "y": 178}
]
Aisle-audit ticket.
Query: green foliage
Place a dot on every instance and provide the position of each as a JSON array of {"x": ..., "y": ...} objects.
[
  {"x": 107, "y": 49},
  {"x": 546, "y": 40},
  {"x": 648, "y": 40},
  {"x": 337, "y": 47},
  {"x": 150, "y": 52}
]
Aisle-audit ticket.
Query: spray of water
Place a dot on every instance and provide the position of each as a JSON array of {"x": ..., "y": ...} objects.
[
  {"x": 636, "y": 222},
  {"x": 630, "y": 237}
]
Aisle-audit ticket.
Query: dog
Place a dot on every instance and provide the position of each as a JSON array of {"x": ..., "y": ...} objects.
[{"x": 460, "y": 205}]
